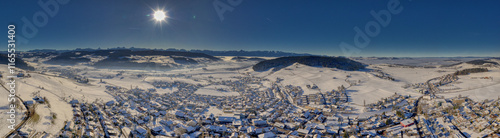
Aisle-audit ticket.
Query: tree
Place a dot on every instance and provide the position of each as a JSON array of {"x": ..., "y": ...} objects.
[
  {"x": 399, "y": 114},
  {"x": 346, "y": 135},
  {"x": 388, "y": 121}
]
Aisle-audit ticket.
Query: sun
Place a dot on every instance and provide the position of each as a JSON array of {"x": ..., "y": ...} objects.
[{"x": 159, "y": 15}]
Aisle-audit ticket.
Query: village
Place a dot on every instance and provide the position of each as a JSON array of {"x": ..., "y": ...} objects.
[{"x": 274, "y": 112}]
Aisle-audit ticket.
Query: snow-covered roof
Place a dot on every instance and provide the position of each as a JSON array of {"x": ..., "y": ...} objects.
[
  {"x": 267, "y": 135},
  {"x": 73, "y": 102},
  {"x": 141, "y": 130}
]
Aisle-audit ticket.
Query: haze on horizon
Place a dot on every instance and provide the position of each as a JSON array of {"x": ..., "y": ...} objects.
[{"x": 422, "y": 28}]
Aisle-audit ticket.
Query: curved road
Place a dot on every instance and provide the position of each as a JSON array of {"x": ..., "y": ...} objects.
[{"x": 28, "y": 114}]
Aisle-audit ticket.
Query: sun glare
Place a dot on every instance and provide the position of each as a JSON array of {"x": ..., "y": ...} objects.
[{"x": 159, "y": 15}]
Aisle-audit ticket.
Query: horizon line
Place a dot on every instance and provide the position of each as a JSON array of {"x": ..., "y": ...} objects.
[{"x": 129, "y": 48}]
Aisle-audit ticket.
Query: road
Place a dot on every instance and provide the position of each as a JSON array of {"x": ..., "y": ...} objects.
[
  {"x": 432, "y": 91},
  {"x": 432, "y": 88},
  {"x": 28, "y": 114},
  {"x": 288, "y": 98}
]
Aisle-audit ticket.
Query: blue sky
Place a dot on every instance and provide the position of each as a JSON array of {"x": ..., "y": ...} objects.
[{"x": 421, "y": 28}]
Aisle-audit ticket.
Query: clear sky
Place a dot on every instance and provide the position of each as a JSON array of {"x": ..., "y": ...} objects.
[{"x": 418, "y": 28}]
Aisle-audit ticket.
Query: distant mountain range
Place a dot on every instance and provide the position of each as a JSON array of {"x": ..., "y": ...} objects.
[
  {"x": 208, "y": 52},
  {"x": 140, "y": 58}
]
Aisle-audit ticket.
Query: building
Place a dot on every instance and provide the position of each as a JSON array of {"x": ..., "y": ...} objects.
[{"x": 407, "y": 122}]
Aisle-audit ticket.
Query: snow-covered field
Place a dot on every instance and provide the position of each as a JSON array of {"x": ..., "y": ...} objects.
[
  {"x": 368, "y": 89},
  {"x": 4, "y": 108},
  {"x": 214, "y": 90},
  {"x": 414, "y": 75},
  {"x": 55, "y": 89},
  {"x": 476, "y": 86},
  {"x": 425, "y": 61}
]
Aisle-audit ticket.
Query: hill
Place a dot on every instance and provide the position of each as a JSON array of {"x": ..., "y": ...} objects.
[
  {"x": 19, "y": 62},
  {"x": 124, "y": 58},
  {"x": 322, "y": 61},
  {"x": 247, "y": 59},
  {"x": 481, "y": 62}
]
